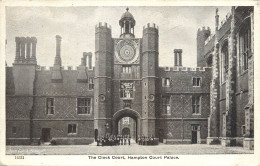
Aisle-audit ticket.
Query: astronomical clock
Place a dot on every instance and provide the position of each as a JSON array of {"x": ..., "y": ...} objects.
[{"x": 127, "y": 51}]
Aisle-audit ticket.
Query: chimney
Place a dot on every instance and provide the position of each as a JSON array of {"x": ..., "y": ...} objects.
[
  {"x": 82, "y": 74},
  {"x": 177, "y": 57},
  {"x": 18, "y": 49},
  {"x": 89, "y": 60},
  {"x": 22, "y": 57},
  {"x": 33, "y": 57},
  {"x": 85, "y": 55},
  {"x": 28, "y": 49},
  {"x": 56, "y": 72},
  {"x": 58, "y": 57}
]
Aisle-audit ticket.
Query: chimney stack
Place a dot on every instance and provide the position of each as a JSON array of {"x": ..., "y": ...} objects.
[
  {"x": 28, "y": 49},
  {"x": 58, "y": 57},
  {"x": 22, "y": 57},
  {"x": 33, "y": 57},
  {"x": 177, "y": 57},
  {"x": 56, "y": 72},
  {"x": 18, "y": 51},
  {"x": 82, "y": 73},
  {"x": 83, "y": 59},
  {"x": 89, "y": 60}
]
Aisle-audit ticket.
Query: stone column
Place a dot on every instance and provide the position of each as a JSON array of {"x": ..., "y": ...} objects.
[
  {"x": 18, "y": 50},
  {"x": 22, "y": 57},
  {"x": 229, "y": 129},
  {"x": 129, "y": 26},
  {"x": 213, "y": 120},
  {"x": 33, "y": 57},
  {"x": 124, "y": 26},
  {"x": 28, "y": 49},
  {"x": 249, "y": 109}
]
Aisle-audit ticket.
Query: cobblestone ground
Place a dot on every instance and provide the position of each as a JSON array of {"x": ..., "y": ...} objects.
[{"x": 133, "y": 149}]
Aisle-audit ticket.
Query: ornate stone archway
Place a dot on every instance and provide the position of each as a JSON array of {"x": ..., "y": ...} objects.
[{"x": 126, "y": 113}]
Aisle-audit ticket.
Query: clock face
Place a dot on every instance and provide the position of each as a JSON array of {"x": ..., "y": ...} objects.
[{"x": 126, "y": 51}]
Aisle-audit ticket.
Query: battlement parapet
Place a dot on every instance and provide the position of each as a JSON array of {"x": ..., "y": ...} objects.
[
  {"x": 204, "y": 29},
  {"x": 151, "y": 25},
  {"x": 185, "y": 69},
  {"x": 103, "y": 25},
  {"x": 223, "y": 22},
  {"x": 67, "y": 68}
]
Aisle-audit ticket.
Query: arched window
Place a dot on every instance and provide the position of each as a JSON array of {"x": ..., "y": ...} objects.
[
  {"x": 224, "y": 54},
  {"x": 244, "y": 45}
]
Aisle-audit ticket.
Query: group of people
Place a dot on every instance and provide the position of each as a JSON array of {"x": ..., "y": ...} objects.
[
  {"x": 114, "y": 140},
  {"x": 143, "y": 140}
]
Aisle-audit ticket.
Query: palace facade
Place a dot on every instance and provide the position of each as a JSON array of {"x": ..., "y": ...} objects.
[{"x": 175, "y": 104}]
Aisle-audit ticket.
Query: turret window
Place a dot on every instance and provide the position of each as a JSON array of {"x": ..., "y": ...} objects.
[
  {"x": 50, "y": 106},
  {"x": 14, "y": 130},
  {"x": 91, "y": 84},
  {"x": 166, "y": 107},
  {"x": 196, "y": 81},
  {"x": 196, "y": 106},
  {"x": 127, "y": 69},
  {"x": 166, "y": 82}
]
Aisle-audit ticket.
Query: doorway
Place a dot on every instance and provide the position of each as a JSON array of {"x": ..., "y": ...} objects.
[
  {"x": 126, "y": 131},
  {"x": 195, "y": 134},
  {"x": 161, "y": 135},
  {"x": 46, "y": 134},
  {"x": 96, "y": 134}
]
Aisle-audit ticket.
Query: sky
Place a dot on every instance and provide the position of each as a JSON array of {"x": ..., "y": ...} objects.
[{"x": 76, "y": 25}]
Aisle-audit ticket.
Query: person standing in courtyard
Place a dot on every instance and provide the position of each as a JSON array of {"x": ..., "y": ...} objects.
[{"x": 129, "y": 139}]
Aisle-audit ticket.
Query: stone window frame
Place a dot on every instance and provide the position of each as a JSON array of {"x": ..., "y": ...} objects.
[
  {"x": 224, "y": 60},
  {"x": 127, "y": 69},
  {"x": 196, "y": 105},
  {"x": 166, "y": 106},
  {"x": 72, "y": 128},
  {"x": 166, "y": 83},
  {"x": 14, "y": 130},
  {"x": 197, "y": 78},
  {"x": 90, "y": 106},
  {"x": 52, "y": 106},
  {"x": 91, "y": 83},
  {"x": 244, "y": 48}
]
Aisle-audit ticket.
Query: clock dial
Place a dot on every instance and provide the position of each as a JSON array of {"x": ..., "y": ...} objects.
[{"x": 126, "y": 51}]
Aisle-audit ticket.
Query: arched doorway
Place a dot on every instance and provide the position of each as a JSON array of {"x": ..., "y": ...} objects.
[
  {"x": 132, "y": 114},
  {"x": 125, "y": 131}
]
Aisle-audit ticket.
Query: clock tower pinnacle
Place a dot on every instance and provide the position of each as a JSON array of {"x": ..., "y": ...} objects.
[{"x": 127, "y": 23}]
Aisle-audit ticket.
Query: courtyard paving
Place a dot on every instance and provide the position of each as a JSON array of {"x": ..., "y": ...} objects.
[{"x": 133, "y": 149}]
